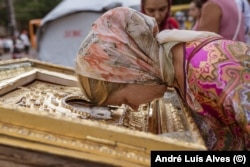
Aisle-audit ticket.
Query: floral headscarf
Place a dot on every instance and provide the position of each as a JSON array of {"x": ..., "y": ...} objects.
[
  {"x": 124, "y": 46},
  {"x": 121, "y": 47}
]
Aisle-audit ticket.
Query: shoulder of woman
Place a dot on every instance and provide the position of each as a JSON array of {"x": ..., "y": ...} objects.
[{"x": 210, "y": 6}]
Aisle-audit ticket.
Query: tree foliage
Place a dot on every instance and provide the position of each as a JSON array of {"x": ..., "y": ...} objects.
[
  {"x": 29, "y": 9},
  {"x": 26, "y": 10}
]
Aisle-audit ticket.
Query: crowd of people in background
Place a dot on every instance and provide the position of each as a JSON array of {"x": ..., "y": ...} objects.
[
  {"x": 18, "y": 46},
  {"x": 231, "y": 25}
]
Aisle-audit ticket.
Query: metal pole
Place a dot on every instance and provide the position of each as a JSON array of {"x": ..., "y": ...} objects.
[{"x": 12, "y": 18}]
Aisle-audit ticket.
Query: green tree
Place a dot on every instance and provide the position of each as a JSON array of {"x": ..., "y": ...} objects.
[
  {"x": 31, "y": 9},
  {"x": 25, "y": 10}
]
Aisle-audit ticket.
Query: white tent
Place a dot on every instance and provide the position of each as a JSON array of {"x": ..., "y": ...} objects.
[{"x": 63, "y": 29}]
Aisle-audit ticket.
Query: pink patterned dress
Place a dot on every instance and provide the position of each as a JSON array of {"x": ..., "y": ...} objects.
[{"x": 218, "y": 90}]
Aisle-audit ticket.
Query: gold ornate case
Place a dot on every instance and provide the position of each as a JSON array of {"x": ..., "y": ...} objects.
[{"x": 42, "y": 108}]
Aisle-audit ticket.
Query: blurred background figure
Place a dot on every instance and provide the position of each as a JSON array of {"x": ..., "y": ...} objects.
[
  {"x": 244, "y": 7},
  {"x": 181, "y": 18},
  {"x": 18, "y": 47},
  {"x": 160, "y": 10},
  {"x": 7, "y": 44},
  {"x": 1, "y": 46},
  {"x": 224, "y": 18},
  {"x": 26, "y": 41},
  {"x": 195, "y": 12}
]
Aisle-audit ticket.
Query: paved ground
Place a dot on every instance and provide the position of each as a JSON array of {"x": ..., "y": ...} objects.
[{"x": 7, "y": 56}]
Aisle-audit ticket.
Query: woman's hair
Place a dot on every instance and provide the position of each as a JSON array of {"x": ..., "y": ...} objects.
[
  {"x": 199, "y": 3},
  {"x": 144, "y": 1},
  {"x": 97, "y": 91}
]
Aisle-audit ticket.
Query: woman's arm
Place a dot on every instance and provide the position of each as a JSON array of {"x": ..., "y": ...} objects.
[{"x": 210, "y": 17}]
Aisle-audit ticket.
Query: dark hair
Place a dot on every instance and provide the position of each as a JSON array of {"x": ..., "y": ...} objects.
[
  {"x": 169, "y": 6},
  {"x": 199, "y": 3}
]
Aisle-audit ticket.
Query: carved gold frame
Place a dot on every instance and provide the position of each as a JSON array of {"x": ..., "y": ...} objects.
[{"x": 79, "y": 138}]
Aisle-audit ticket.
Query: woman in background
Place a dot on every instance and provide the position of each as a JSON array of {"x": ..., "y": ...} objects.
[
  {"x": 222, "y": 17},
  {"x": 160, "y": 10},
  {"x": 195, "y": 12}
]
